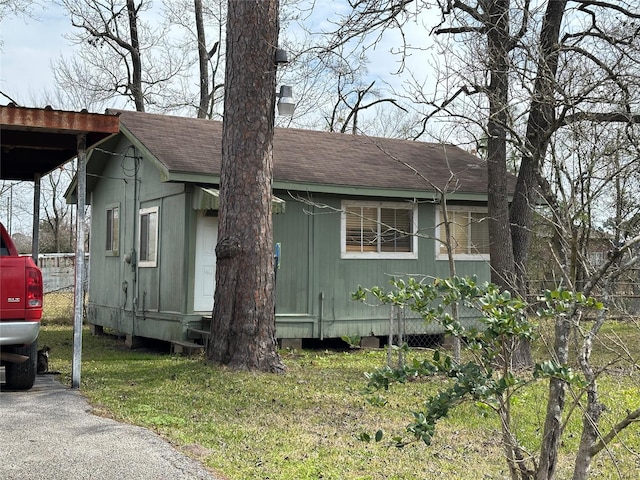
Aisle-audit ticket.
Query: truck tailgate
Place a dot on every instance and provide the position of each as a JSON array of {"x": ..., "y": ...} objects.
[{"x": 12, "y": 288}]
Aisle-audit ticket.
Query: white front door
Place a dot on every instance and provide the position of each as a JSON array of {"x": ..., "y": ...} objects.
[{"x": 205, "y": 278}]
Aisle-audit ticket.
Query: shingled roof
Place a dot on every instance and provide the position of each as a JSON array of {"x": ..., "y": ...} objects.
[{"x": 313, "y": 160}]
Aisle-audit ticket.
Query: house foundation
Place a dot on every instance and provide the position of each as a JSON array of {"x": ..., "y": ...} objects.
[
  {"x": 291, "y": 343},
  {"x": 133, "y": 341},
  {"x": 96, "y": 329},
  {"x": 370, "y": 342}
]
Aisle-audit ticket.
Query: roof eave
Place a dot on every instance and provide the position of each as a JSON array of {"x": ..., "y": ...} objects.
[
  {"x": 376, "y": 191},
  {"x": 190, "y": 177},
  {"x": 354, "y": 191}
]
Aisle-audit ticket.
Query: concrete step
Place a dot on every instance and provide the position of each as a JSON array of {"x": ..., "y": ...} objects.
[{"x": 185, "y": 347}]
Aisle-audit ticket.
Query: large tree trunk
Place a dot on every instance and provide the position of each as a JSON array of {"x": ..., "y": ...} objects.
[
  {"x": 243, "y": 325},
  {"x": 540, "y": 126},
  {"x": 500, "y": 249}
]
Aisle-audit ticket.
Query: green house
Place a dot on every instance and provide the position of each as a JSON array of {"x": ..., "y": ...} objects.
[{"x": 349, "y": 210}]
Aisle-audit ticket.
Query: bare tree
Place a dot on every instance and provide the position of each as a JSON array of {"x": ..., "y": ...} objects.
[
  {"x": 513, "y": 53},
  {"x": 534, "y": 69},
  {"x": 203, "y": 26},
  {"x": 6, "y": 204},
  {"x": 16, "y": 201},
  {"x": 590, "y": 259},
  {"x": 119, "y": 55},
  {"x": 16, "y": 7},
  {"x": 243, "y": 324},
  {"x": 354, "y": 103},
  {"x": 56, "y": 222},
  {"x": 204, "y": 57}
]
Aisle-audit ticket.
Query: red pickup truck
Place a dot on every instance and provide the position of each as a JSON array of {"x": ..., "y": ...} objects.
[{"x": 20, "y": 313}]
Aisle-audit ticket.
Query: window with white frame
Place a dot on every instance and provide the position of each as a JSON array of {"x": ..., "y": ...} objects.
[
  {"x": 469, "y": 230},
  {"x": 112, "y": 240},
  {"x": 148, "y": 237},
  {"x": 379, "y": 230}
]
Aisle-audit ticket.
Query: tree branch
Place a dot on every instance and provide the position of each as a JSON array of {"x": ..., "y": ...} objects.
[
  {"x": 617, "y": 428},
  {"x": 600, "y": 117},
  {"x": 595, "y": 3},
  {"x": 368, "y": 16}
]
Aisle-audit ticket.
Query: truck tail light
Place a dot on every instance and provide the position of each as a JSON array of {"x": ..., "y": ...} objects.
[{"x": 34, "y": 288}]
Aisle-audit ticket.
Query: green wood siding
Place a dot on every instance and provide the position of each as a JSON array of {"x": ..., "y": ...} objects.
[
  {"x": 314, "y": 280},
  {"x": 313, "y": 285},
  {"x": 164, "y": 288},
  {"x": 107, "y": 273},
  {"x": 162, "y": 292},
  {"x": 337, "y": 278},
  {"x": 292, "y": 230}
]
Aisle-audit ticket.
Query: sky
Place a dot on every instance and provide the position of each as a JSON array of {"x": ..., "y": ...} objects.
[{"x": 28, "y": 47}]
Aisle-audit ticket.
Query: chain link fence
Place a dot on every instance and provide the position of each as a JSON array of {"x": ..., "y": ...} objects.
[
  {"x": 416, "y": 333},
  {"x": 406, "y": 331},
  {"x": 58, "y": 277}
]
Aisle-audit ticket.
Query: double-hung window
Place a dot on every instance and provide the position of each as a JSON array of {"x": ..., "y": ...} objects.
[
  {"x": 112, "y": 240},
  {"x": 469, "y": 233},
  {"x": 148, "y": 237},
  {"x": 379, "y": 230}
]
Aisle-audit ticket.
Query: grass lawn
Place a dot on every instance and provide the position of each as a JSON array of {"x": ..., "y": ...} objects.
[{"x": 305, "y": 424}]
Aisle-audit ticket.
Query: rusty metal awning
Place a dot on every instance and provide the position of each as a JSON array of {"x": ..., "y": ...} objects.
[{"x": 35, "y": 141}]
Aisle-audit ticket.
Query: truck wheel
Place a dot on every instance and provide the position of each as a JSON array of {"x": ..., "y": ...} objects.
[{"x": 22, "y": 376}]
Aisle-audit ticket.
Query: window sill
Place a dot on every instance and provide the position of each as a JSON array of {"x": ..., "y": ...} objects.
[
  {"x": 378, "y": 256},
  {"x": 465, "y": 258}
]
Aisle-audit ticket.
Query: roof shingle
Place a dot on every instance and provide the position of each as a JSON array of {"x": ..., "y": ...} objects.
[{"x": 194, "y": 146}]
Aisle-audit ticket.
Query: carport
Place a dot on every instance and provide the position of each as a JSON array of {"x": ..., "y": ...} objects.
[{"x": 34, "y": 142}]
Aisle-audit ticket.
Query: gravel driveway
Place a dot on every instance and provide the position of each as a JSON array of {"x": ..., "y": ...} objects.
[{"x": 49, "y": 433}]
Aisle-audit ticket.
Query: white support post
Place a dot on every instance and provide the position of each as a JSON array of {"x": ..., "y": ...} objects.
[{"x": 79, "y": 267}]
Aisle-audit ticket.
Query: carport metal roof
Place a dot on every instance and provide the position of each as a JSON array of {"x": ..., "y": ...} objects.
[{"x": 35, "y": 141}]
